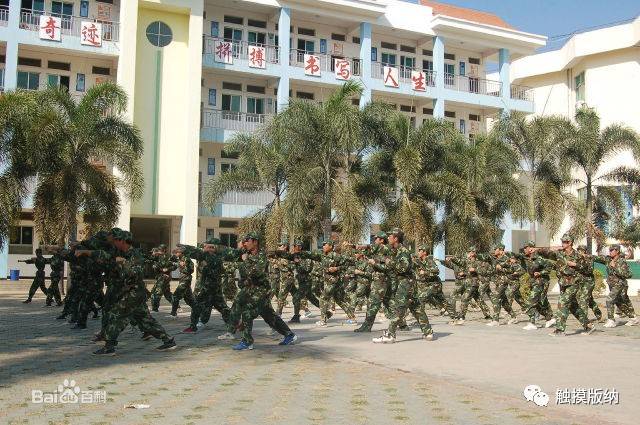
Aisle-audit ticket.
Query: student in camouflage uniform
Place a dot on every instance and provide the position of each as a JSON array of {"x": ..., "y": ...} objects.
[
  {"x": 567, "y": 261},
  {"x": 513, "y": 291},
  {"x": 253, "y": 297},
  {"x": 57, "y": 269},
  {"x": 587, "y": 282},
  {"x": 617, "y": 274},
  {"x": 485, "y": 277},
  {"x": 287, "y": 268},
  {"x": 126, "y": 270},
  {"x": 304, "y": 291},
  {"x": 460, "y": 276},
  {"x": 362, "y": 277},
  {"x": 429, "y": 285},
  {"x": 502, "y": 265},
  {"x": 89, "y": 274},
  {"x": 38, "y": 281},
  {"x": 333, "y": 290},
  {"x": 229, "y": 286},
  {"x": 405, "y": 297},
  {"x": 274, "y": 276},
  {"x": 380, "y": 290},
  {"x": 208, "y": 287},
  {"x": 538, "y": 269},
  {"x": 183, "y": 290},
  {"x": 473, "y": 268},
  {"x": 163, "y": 267}
]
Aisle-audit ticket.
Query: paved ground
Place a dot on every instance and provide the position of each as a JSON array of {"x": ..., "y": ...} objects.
[{"x": 472, "y": 374}]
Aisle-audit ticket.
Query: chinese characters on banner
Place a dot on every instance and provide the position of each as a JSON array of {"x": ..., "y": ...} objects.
[
  {"x": 50, "y": 28},
  {"x": 257, "y": 57},
  {"x": 391, "y": 76},
  {"x": 312, "y": 65},
  {"x": 223, "y": 52},
  {"x": 419, "y": 80},
  {"x": 342, "y": 69},
  {"x": 91, "y": 34}
]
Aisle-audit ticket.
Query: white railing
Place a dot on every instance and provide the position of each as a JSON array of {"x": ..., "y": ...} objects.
[
  {"x": 327, "y": 62},
  {"x": 472, "y": 85},
  {"x": 228, "y": 120},
  {"x": 71, "y": 25},
  {"x": 255, "y": 199},
  {"x": 4, "y": 16},
  {"x": 404, "y": 73},
  {"x": 239, "y": 49},
  {"x": 522, "y": 93}
]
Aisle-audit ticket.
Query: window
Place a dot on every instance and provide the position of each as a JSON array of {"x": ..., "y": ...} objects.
[
  {"x": 63, "y": 66},
  {"x": 407, "y": 49},
  {"x": 427, "y": 111},
  {"x": 234, "y": 20},
  {"x": 474, "y": 117},
  {"x": 306, "y": 46},
  {"x": 21, "y": 240},
  {"x": 323, "y": 46},
  {"x": 199, "y": 186},
  {"x": 255, "y": 105},
  {"x": 159, "y": 34},
  {"x": 427, "y": 52},
  {"x": 463, "y": 126},
  {"x": 450, "y": 114},
  {"x": 338, "y": 37},
  {"x": 449, "y": 73},
  {"x": 215, "y": 29},
  {"x": 84, "y": 8},
  {"x": 463, "y": 68},
  {"x": 98, "y": 70},
  {"x": 474, "y": 61},
  {"x": 231, "y": 86},
  {"x": 307, "y": 31},
  {"x": 210, "y": 234},
  {"x": 28, "y": 80},
  {"x": 257, "y": 24},
  {"x": 58, "y": 81},
  {"x": 232, "y": 34},
  {"x": 259, "y": 38},
  {"x": 211, "y": 166},
  {"x": 304, "y": 95},
  {"x": 579, "y": 80},
  {"x": 388, "y": 59},
  {"x": 374, "y": 54},
  {"x": 390, "y": 46},
  {"x": 427, "y": 66},
  {"x": 29, "y": 62},
  {"x": 355, "y": 40},
  {"x": 256, "y": 89},
  {"x": 61, "y": 9},
  {"x": 229, "y": 239},
  {"x": 225, "y": 167},
  {"x": 450, "y": 56},
  {"x": 228, "y": 224},
  {"x": 229, "y": 155},
  {"x": 213, "y": 94},
  {"x": 231, "y": 104},
  {"x": 1, "y": 77},
  {"x": 80, "y": 82},
  {"x": 35, "y": 5}
]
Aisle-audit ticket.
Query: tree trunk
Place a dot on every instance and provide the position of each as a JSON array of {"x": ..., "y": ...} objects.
[
  {"x": 589, "y": 213},
  {"x": 326, "y": 222},
  {"x": 532, "y": 211}
]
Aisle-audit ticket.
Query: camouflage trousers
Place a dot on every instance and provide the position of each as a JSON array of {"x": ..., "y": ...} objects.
[
  {"x": 568, "y": 303},
  {"x": 160, "y": 288},
  {"x": 131, "y": 308},
  {"x": 38, "y": 282},
  {"x": 538, "y": 301},
  {"x": 379, "y": 296},
  {"x": 274, "y": 280},
  {"x": 618, "y": 297},
  {"x": 88, "y": 295},
  {"x": 303, "y": 292},
  {"x": 431, "y": 293},
  {"x": 513, "y": 294},
  {"x": 457, "y": 293},
  {"x": 53, "y": 292},
  {"x": 585, "y": 298},
  {"x": 229, "y": 287},
  {"x": 333, "y": 291},
  {"x": 359, "y": 296},
  {"x": 472, "y": 292},
  {"x": 72, "y": 299},
  {"x": 110, "y": 299},
  {"x": 287, "y": 285},
  {"x": 182, "y": 292},
  {"x": 405, "y": 299},
  {"x": 484, "y": 289},
  {"x": 248, "y": 305},
  {"x": 208, "y": 295},
  {"x": 500, "y": 299}
]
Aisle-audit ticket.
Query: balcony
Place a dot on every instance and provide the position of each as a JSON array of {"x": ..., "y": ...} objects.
[
  {"x": 4, "y": 16},
  {"x": 327, "y": 62},
  {"x": 218, "y": 126},
  {"x": 227, "y": 52},
  {"x": 467, "y": 84},
  {"x": 237, "y": 205},
  {"x": 522, "y": 93},
  {"x": 71, "y": 25},
  {"x": 404, "y": 74}
]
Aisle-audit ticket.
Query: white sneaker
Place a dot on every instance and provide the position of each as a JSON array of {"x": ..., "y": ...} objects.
[
  {"x": 307, "y": 314},
  {"x": 200, "y": 325},
  {"x": 512, "y": 321},
  {"x": 384, "y": 339},
  {"x": 616, "y": 316},
  {"x": 321, "y": 323},
  {"x": 430, "y": 337},
  {"x": 530, "y": 327},
  {"x": 589, "y": 330},
  {"x": 226, "y": 335},
  {"x": 550, "y": 323},
  {"x": 459, "y": 322},
  {"x": 632, "y": 322},
  {"x": 610, "y": 324},
  {"x": 493, "y": 323}
]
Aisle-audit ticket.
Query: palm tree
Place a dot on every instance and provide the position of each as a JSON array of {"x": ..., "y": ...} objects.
[
  {"x": 539, "y": 144},
  {"x": 587, "y": 149},
  {"x": 76, "y": 141}
]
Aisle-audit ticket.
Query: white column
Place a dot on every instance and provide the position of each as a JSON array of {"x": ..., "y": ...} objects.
[
  {"x": 438, "y": 113},
  {"x": 11, "y": 53},
  {"x": 284, "y": 33},
  {"x": 504, "y": 65},
  {"x": 365, "y": 63}
]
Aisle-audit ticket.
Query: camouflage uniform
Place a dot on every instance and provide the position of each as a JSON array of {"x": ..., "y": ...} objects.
[
  {"x": 229, "y": 286},
  {"x": 286, "y": 267},
  {"x": 362, "y": 273},
  {"x": 57, "y": 269},
  {"x": 587, "y": 282},
  {"x": 163, "y": 268},
  {"x": 538, "y": 301},
  {"x": 380, "y": 289},
  {"x": 333, "y": 289},
  {"x": 460, "y": 277},
  {"x": 183, "y": 290},
  {"x": 617, "y": 274},
  {"x": 503, "y": 270},
  {"x": 304, "y": 291},
  {"x": 38, "y": 282},
  {"x": 485, "y": 277},
  {"x": 429, "y": 285},
  {"x": 90, "y": 274},
  {"x": 474, "y": 268},
  {"x": 513, "y": 291},
  {"x": 274, "y": 277}
]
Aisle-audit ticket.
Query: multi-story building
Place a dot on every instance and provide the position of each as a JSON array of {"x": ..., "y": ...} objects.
[
  {"x": 199, "y": 71},
  {"x": 597, "y": 68}
]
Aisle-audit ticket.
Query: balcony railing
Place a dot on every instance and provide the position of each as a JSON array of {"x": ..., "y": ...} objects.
[
  {"x": 404, "y": 73},
  {"x": 237, "y": 121},
  {"x": 327, "y": 62},
  {"x": 472, "y": 85},
  {"x": 522, "y": 93},
  {"x": 4, "y": 16},
  {"x": 239, "y": 49},
  {"x": 71, "y": 25}
]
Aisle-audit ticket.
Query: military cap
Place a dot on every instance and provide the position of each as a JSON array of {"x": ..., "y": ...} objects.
[
  {"x": 123, "y": 235},
  {"x": 115, "y": 231},
  {"x": 213, "y": 241},
  {"x": 529, "y": 244},
  {"x": 396, "y": 231},
  {"x": 381, "y": 235},
  {"x": 162, "y": 246},
  {"x": 567, "y": 238},
  {"x": 582, "y": 248},
  {"x": 251, "y": 235},
  {"x": 424, "y": 248},
  {"x": 298, "y": 242},
  {"x": 328, "y": 242},
  {"x": 101, "y": 235},
  {"x": 614, "y": 246},
  {"x": 200, "y": 245},
  {"x": 498, "y": 246},
  {"x": 472, "y": 248}
]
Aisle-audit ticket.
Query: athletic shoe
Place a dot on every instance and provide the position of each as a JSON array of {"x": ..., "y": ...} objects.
[
  {"x": 105, "y": 351},
  {"x": 610, "y": 324},
  {"x": 365, "y": 327},
  {"x": 385, "y": 338},
  {"x": 295, "y": 319},
  {"x": 200, "y": 325},
  {"x": 634, "y": 321},
  {"x": 493, "y": 323},
  {"x": 243, "y": 346},
  {"x": 189, "y": 330},
  {"x": 168, "y": 345},
  {"x": 226, "y": 336},
  {"x": 27, "y": 301},
  {"x": 459, "y": 322},
  {"x": 589, "y": 330},
  {"x": 351, "y": 322},
  {"x": 530, "y": 327},
  {"x": 550, "y": 323},
  {"x": 557, "y": 332},
  {"x": 97, "y": 338},
  {"x": 512, "y": 321},
  {"x": 429, "y": 337},
  {"x": 289, "y": 339},
  {"x": 321, "y": 323},
  {"x": 146, "y": 336},
  {"x": 307, "y": 314}
]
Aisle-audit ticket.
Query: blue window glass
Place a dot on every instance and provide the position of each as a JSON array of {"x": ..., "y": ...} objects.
[
  {"x": 374, "y": 54},
  {"x": 211, "y": 166},
  {"x": 84, "y": 8},
  {"x": 213, "y": 93},
  {"x": 463, "y": 68},
  {"x": 80, "y": 82},
  {"x": 215, "y": 29},
  {"x": 323, "y": 46}
]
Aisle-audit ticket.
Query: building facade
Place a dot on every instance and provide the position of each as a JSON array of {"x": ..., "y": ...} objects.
[{"x": 198, "y": 72}]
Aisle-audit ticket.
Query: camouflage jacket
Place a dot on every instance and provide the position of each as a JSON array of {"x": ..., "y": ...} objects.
[
  {"x": 401, "y": 264},
  {"x": 380, "y": 254},
  {"x": 185, "y": 267},
  {"x": 57, "y": 265},
  {"x": 254, "y": 275},
  {"x": 362, "y": 269},
  {"x": 164, "y": 264},
  {"x": 618, "y": 270},
  {"x": 566, "y": 274},
  {"x": 536, "y": 263},
  {"x": 39, "y": 261},
  {"x": 426, "y": 270}
]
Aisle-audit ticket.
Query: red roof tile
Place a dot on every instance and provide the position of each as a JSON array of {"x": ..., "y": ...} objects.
[{"x": 464, "y": 13}]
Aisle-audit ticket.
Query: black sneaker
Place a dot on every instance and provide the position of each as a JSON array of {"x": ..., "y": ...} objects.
[
  {"x": 27, "y": 301},
  {"x": 105, "y": 351},
  {"x": 169, "y": 345},
  {"x": 61, "y": 317},
  {"x": 59, "y": 304},
  {"x": 146, "y": 336},
  {"x": 364, "y": 328},
  {"x": 295, "y": 319},
  {"x": 97, "y": 338},
  {"x": 79, "y": 326},
  {"x": 557, "y": 332}
]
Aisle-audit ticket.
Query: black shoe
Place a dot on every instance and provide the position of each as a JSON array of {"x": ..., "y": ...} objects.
[
  {"x": 557, "y": 332},
  {"x": 79, "y": 326},
  {"x": 59, "y": 304},
  {"x": 295, "y": 319},
  {"x": 48, "y": 304},
  {"x": 72, "y": 321},
  {"x": 174, "y": 313},
  {"x": 154, "y": 309},
  {"x": 98, "y": 338},
  {"x": 366, "y": 327},
  {"x": 27, "y": 301},
  {"x": 169, "y": 345},
  {"x": 105, "y": 351},
  {"x": 404, "y": 328},
  {"x": 329, "y": 314},
  {"x": 61, "y": 317},
  {"x": 146, "y": 336}
]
